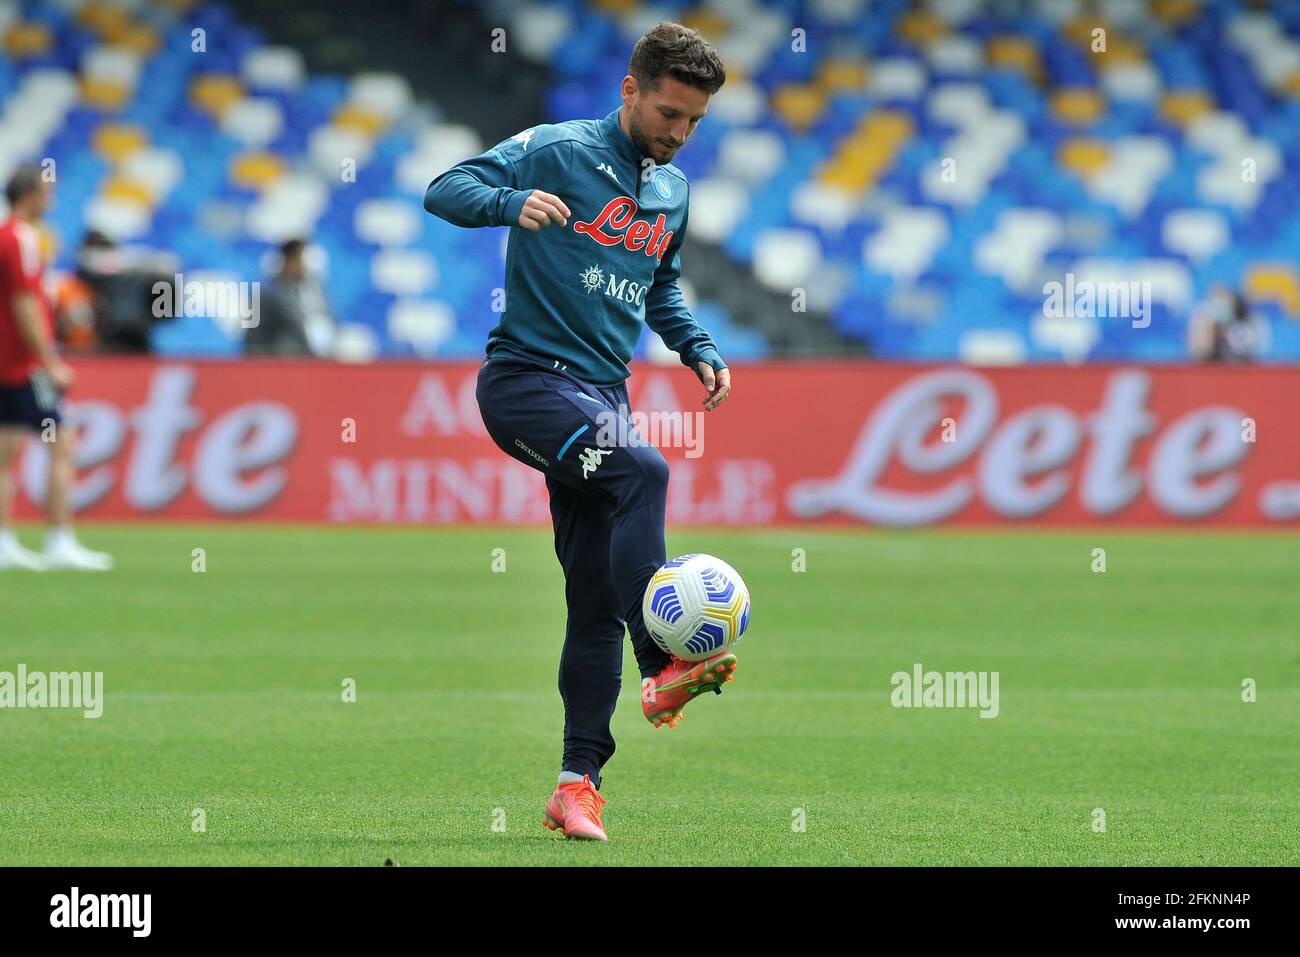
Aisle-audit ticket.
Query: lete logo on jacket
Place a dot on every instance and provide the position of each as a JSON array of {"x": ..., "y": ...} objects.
[{"x": 615, "y": 226}]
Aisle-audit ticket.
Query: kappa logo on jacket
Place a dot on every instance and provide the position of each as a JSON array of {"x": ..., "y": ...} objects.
[{"x": 615, "y": 226}]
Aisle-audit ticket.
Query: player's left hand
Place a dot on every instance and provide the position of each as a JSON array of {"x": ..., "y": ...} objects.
[{"x": 719, "y": 385}]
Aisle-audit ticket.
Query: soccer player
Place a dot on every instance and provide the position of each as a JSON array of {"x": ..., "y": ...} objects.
[
  {"x": 597, "y": 215},
  {"x": 32, "y": 381}
]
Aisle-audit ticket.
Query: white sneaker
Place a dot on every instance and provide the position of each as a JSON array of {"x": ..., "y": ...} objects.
[
  {"x": 13, "y": 555},
  {"x": 71, "y": 554}
]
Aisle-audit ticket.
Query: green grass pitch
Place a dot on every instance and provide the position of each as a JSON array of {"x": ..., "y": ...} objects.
[{"x": 1120, "y": 691}]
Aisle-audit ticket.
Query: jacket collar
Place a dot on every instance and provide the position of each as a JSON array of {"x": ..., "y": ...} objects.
[{"x": 620, "y": 141}]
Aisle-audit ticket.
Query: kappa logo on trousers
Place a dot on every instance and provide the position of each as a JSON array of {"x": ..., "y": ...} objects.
[{"x": 591, "y": 459}]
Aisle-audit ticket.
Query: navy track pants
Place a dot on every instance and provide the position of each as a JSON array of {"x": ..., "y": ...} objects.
[{"x": 607, "y": 508}]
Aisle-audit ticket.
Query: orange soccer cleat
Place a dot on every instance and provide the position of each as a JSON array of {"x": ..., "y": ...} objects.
[
  {"x": 574, "y": 810},
  {"x": 664, "y": 696}
]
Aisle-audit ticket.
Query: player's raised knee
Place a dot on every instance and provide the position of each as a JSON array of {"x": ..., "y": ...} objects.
[{"x": 653, "y": 468}]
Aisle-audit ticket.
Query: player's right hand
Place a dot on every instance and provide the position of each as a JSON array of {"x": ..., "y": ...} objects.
[
  {"x": 542, "y": 209},
  {"x": 61, "y": 375}
]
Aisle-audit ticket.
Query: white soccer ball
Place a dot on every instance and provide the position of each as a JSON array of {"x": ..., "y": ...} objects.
[{"x": 695, "y": 606}]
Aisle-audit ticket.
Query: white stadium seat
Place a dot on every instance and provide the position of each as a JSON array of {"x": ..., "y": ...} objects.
[
  {"x": 331, "y": 146},
  {"x": 424, "y": 324},
  {"x": 354, "y": 342},
  {"x": 404, "y": 272},
  {"x": 537, "y": 29},
  {"x": 1130, "y": 82},
  {"x": 1198, "y": 234},
  {"x": 273, "y": 68},
  {"x": 159, "y": 169},
  {"x": 739, "y": 102},
  {"x": 897, "y": 78},
  {"x": 388, "y": 94},
  {"x": 438, "y": 148},
  {"x": 1136, "y": 166},
  {"x": 1072, "y": 337},
  {"x": 1217, "y": 132},
  {"x": 1125, "y": 13},
  {"x": 826, "y": 206},
  {"x": 959, "y": 104},
  {"x": 387, "y": 222},
  {"x": 112, "y": 64},
  {"x": 717, "y": 205},
  {"x": 956, "y": 12},
  {"x": 845, "y": 12},
  {"x": 992, "y": 347},
  {"x": 254, "y": 121},
  {"x": 1021, "y": 239},
  {"x": 907, "y": 242},
  {"x": 289, "y": 208},
  {"x": 786, "y": 258},
  {"x": 750, "y": 155},
  {"x": 118, "y": 219},
  {"x": 955, "y": 54}
]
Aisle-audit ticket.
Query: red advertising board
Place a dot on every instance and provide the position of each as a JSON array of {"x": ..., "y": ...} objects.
[{"x": 816, "y": 442}]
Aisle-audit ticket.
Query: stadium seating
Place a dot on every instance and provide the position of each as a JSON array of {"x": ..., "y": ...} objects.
[{"x": 924, "y": 168}]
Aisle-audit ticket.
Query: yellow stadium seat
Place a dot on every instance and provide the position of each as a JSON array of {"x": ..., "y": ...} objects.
[
  {"x": 1014, "y": 53},
  {"x": 868, "y": 152},
  {"x": 104, "y": 19},
  {"x": 712, "y": 25},
  {"x": 1274, "y": 282},
  {"x": 1175, "y": 13},
  {"x": 1184, "y": 106},
  {"x": 1083, "y": 157},
  {"x": 256, "y": 170},
  {"x": 138, "y": 38},
  {"x": 838, "y": 75},
  {"x": 128, "y": 190},
  {"x": 106, "y": 95},
  {"x": 116, "y": 141},
  {"x": 1083, "y": 30},
  {"x": 920, "y": 27},
  {"x": 894, "y": 126},
  {"x": 617, "y": 6},
  {"x": 1121, "y": 51},
  {"x": 359, "y": 120},
  {"x": 800, "y": 105},
  {"x": 24, "y": 40},
  {"x": 214, "y": 92},
  {"x": 1078, "y": 106},
  {"x": 49, "y": 243},
  {"x": 1291, "y": 85},
  {"x": 841, "y": 176}
]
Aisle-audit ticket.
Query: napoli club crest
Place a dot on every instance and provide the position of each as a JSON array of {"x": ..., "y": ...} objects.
[{"x": 663, "y": 185}]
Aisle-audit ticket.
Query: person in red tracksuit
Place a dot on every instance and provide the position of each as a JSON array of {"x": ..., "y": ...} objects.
[{"x": 32, "y": 381}]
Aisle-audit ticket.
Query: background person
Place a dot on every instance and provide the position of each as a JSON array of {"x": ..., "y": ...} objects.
[
  {"x": 295, "y": 319},
  {"x": 33, "y": 380},
  {"x": 1223, "y": 329}
]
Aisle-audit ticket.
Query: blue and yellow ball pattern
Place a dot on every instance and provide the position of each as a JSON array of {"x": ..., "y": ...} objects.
[{"x": 695, "y": 606}]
